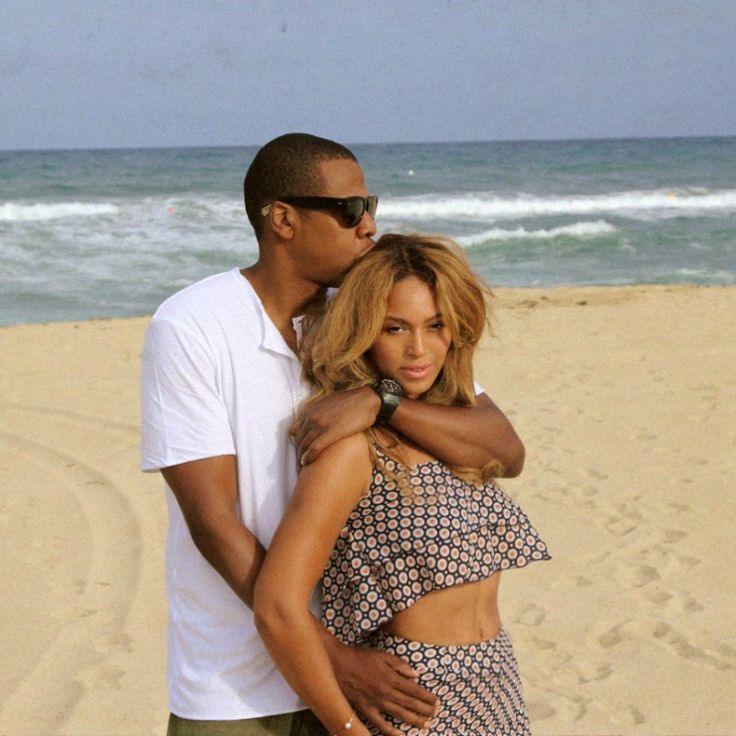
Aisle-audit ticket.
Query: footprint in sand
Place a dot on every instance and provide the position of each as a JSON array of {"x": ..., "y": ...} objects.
[
  {"x": 630, "y": 509},
  {"x": 707, "y": 397},
  {"x": 644, "y": 434},
  {"x": 678, "y": 602},
  {"x": 620, "y": 527},
  {"x": 661, "y": 558},
  {"x": 627, "y": 520},
  {"x": 639, "y": 575},
  {"x": 687, "y": 562},
  {"x": 729, "y": 653},
  {"x": 612, "y": 637},
  {"x": 723, "y": 659},
  {"x": 670, "y": 536},
  {"x": 567, "y": 709},
  {"x": 593, "y": 473},
  {"x": 588, "y": 671},
  {"x": 627, "y": 715},
  {"x": 531, "y": 615},
  {"x": 687, "y": 604},
  {"x": 659, "y": 597},
  {"x": 540, "y": 711}
]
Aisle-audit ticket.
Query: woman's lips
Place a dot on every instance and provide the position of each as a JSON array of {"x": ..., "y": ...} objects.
[{"x": 416, "y": 371}]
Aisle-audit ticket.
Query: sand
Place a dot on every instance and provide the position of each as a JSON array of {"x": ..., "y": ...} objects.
[{"x": 626, "y": 400}]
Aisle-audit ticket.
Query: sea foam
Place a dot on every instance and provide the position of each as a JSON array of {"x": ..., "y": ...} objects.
[
  {"x": 576, "y": 230},
  {"x": 11, "y": 212},
  {"x": 489, "y": 207},
  {"x": 106, "y": 233}
]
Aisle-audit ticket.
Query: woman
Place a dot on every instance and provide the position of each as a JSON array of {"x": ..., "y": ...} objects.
[{"x": 409, "y": 550}]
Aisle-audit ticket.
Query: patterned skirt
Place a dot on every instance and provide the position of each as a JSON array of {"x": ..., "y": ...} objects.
[{"x": 478, "y": 686}]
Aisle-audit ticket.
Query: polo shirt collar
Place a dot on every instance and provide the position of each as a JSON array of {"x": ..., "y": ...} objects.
[{"x": 270, "y": 338}]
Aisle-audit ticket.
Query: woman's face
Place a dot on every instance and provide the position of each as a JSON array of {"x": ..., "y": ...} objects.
[{"x": 414, "y": 340}]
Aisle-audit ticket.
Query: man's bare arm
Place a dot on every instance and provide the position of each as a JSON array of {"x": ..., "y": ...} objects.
[
  {"x": 207, "y": 493},
  {"x": 467, "y": 436}
]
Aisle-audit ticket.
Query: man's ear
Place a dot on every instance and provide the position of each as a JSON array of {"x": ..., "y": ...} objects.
[{"x": 281, "y": 219}]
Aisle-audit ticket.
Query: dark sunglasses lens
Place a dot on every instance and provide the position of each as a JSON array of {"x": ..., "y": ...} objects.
[
  {"x": 355, "y": 207},
  {"x": 353, "y": 211}
]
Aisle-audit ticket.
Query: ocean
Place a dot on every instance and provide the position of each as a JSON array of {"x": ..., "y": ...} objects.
[{"x": 112, "y": 233}]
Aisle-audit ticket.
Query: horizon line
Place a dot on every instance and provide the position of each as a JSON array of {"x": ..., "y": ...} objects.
[{"x": 595, "y": 139}]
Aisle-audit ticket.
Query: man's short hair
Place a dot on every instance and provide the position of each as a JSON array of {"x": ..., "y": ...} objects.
[{"x": 287, "y": 166}]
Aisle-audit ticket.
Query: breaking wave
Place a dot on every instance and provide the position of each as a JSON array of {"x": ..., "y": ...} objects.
[
  {"x": 576, "y": 230},
  {"x": 488, "y": 207},
  {"x": 11, "y": 212}
]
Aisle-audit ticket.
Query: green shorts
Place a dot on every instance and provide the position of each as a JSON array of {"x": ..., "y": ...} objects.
[{"x": 301, "y": 723}]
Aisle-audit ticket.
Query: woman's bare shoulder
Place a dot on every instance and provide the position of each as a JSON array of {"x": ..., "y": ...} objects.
[
  {"x": 341, "y": 472},
  {"x": 351, "y": 451}
]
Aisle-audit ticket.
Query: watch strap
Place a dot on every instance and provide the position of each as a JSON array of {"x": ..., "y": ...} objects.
[
  {"x": 390, "y": 393},
  {"x": 389, "y": 404}
]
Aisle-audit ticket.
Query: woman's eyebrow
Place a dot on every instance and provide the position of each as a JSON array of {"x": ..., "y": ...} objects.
[{"x": 391, "y": 318}]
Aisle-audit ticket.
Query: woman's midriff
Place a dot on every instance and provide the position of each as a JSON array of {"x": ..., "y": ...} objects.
[{"x": 462, "y": 614}]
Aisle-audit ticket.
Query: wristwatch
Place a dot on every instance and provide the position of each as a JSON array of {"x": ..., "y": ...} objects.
[{"x": 390, "y": 393}]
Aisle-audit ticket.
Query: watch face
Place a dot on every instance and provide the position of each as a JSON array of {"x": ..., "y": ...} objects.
[{"x": 391, "y": 387}]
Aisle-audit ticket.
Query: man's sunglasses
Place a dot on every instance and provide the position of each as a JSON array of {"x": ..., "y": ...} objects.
[{"x": 351, "y": 209}]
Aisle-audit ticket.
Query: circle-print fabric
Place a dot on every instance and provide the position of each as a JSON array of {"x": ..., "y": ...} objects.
[{"x": 398, "y": 544}]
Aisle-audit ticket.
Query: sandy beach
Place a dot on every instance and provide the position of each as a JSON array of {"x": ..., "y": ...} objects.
[{"x": 626, "y": 400}]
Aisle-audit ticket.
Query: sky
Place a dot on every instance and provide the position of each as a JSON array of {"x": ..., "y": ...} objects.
[{"x": 139, "y": 73}]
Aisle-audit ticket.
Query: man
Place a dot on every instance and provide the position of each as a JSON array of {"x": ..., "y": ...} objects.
[{"x": 221, "y": 385}]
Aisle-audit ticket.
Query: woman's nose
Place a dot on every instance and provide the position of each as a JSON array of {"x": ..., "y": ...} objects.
[{"x": 416, "y": 344}]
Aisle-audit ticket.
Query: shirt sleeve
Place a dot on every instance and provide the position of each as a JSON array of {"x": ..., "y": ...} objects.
[{"x": 183, "y": 414}]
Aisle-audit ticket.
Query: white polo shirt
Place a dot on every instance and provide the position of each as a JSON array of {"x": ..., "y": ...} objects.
[{"x": 218, "y": 379}]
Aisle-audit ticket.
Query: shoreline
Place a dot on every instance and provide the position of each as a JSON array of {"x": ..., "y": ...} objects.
[
  {"x": 505, "y": 297},
  {"x": 625, "y": 399}
]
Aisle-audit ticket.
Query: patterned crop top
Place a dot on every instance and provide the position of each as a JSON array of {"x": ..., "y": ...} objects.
[{"x": 397, "y": 545}]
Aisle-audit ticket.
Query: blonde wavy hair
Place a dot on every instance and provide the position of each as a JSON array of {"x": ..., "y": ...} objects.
[{"x": 335, "y": 345}]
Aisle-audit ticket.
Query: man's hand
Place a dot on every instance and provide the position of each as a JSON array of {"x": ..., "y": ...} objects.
[
  {"x": 338, "y": 415},
  {"x": 377, "y": 682}
]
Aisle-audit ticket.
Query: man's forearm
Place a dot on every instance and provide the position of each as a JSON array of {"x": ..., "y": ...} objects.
[
  {"x": 464, "y": 436},
  {"x": 207, "y": 493},
  {"x": 235, "y": 552}
]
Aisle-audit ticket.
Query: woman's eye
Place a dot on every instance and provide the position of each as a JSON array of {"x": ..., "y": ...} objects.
[
  {"x": 393, "y": 329},
  {"x": 437, "y": 326}
]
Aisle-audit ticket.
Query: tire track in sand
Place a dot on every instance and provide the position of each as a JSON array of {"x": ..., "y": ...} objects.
[{"x": 86, "y": 617}]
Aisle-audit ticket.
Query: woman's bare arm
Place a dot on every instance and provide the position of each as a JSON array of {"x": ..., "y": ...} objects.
[{"x": 326, "y": 492}]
